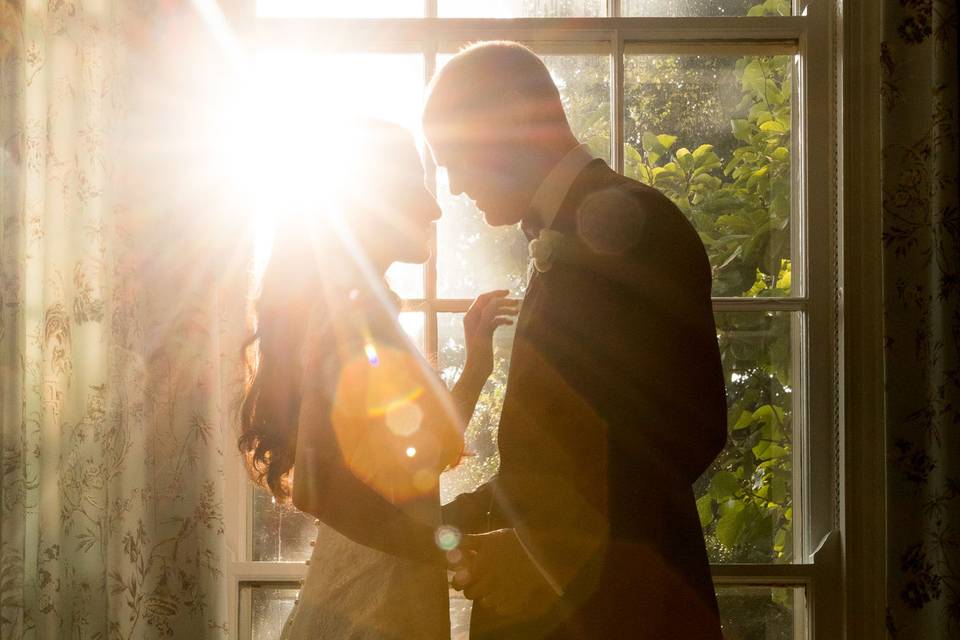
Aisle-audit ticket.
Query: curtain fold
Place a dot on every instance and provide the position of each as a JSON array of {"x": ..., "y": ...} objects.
[
  {"x": 121, "y": 282},
  {"x": 921, "y": 236}
]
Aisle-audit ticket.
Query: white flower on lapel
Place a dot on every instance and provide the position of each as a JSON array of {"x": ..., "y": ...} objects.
[{"x": 544, "y": 249}]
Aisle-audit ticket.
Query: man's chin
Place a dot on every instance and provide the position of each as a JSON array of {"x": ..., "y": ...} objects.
[
  {"x": 500, "y": 218},
  {"x": 416, "y": 258}
]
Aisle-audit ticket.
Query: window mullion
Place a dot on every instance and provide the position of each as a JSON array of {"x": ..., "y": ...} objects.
[
  {"x": 327, "y": 33},
  {"x": 616, "y": 100}
]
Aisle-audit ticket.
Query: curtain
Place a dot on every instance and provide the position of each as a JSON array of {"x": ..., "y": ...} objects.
[
  {"x": 921, "y": 237},
  {"x": 120, "y": 309}
]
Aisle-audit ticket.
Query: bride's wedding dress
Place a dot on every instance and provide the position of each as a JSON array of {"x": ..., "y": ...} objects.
[{"x": 354, "y": 592}]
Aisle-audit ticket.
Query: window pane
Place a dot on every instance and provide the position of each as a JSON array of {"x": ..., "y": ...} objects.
[
  {"x": 406, "y": 280},
  {"x": 520, "y": 8},
  {"x": 280, "y": 532},
  {"x": 482, "y": 458},
  {"x": 269, "y": 608},
  {"x": 704, "y": 8},
  {"x": 471, "y": 256},
  {"x": 460, "y": 608},
  {"x": 714, "y": 134},
  {"x": 745, "y": 499},
  {"x": 762, "y": 613},
  {"x": 413, "y": 323},
  {"x": 339, "y": 9}
]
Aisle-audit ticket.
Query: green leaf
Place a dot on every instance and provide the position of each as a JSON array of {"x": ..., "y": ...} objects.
[
  {"x": 731, "y": 524},
  {"x": 666, "y": 140},
  {"x": 746, "y": 417},
  {"x": 781, "y": 153},
  {"x": 753, "y": 78},
  {"x": 772, "y": 126},
  {"x": 778, "y": 490},
  {"x": 741, "y": 129},
  {"x": 783, "y": 279},
  {"x": 701, "y": 150},
  {"x": 652, "y": 146},
  {"x": 705, "y": 510},
  {"x": 723, "y": 485}
]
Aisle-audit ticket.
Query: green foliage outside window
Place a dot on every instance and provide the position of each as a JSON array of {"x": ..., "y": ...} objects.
[{"x": 737, "y": 194}]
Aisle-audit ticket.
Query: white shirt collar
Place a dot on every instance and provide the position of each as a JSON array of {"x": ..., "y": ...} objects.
[{"x": 552, "y": 191}]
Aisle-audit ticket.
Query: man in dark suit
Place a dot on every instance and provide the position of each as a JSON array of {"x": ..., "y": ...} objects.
[{"x": 615, "y": 399}]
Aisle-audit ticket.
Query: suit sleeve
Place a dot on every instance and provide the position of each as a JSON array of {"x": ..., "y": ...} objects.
[{"x": 475, "y": 512}]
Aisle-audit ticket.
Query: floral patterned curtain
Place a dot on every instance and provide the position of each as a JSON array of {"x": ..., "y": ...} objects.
[
  {"x": 116, "y": 296},
  {"x": 921, "y": 238}
]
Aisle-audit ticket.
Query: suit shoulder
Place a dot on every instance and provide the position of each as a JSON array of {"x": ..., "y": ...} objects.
[{"x": 612, "y": 219}]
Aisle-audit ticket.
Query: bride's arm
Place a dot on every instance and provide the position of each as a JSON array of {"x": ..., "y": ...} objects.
[
  {"x": 325, "y": 487},
  {"x": 489, "y": 311},
  {"x": 478, "y": 511}
]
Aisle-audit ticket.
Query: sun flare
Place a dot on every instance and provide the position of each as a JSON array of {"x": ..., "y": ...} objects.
[{"x": 282, "y": 138}]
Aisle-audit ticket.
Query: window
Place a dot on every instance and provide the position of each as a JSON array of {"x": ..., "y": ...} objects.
[{"x": 724, "y": 105}]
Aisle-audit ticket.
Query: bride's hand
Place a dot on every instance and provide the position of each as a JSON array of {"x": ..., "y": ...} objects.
[{"x": 489, "y": 311}]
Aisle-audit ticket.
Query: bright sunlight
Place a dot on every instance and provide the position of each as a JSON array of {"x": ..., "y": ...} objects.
[{"x": 281, "y": 135}]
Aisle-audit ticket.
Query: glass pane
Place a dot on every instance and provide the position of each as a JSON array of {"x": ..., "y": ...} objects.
[
  {"x": 413, "y": 323},
  {"x": 745, "y": 499},
  {"x": 406, "y": 280},
  {"x": 714, "y": 133},
  {"x": 473, "y": 257},
  {"x": 269, "y": 608},
  {"x": 762, "y": 613},
  {"x": 460, "y": 608},
  {"x": 339, "y": 9},
  {"x": 482, "y": 458},
  {"x": 520, "y": 8},
  {"x": 280, "y": 532},
  {"x": 704, "y": 8}
]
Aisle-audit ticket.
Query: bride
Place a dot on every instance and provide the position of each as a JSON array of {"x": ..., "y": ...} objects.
[{"x": 343, "y": 417}]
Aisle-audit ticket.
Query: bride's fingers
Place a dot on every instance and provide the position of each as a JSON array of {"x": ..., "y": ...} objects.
[
  {"x": 493, "y": 312},
  {"x": 483, "y": 300},
  {"x": 504, "y": 305}
]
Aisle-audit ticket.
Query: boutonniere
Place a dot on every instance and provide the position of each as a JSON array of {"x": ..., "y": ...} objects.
[{"x": 545, "y": 249}]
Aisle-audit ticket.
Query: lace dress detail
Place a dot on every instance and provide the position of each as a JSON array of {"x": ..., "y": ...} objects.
[{"x": 352, "y": 592}]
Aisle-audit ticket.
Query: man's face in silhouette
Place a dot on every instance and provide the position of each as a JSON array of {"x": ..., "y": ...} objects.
[{"x": 488, "y": 161}]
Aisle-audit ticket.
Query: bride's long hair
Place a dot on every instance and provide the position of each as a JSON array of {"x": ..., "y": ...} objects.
[{"x": 290, "y": 291}]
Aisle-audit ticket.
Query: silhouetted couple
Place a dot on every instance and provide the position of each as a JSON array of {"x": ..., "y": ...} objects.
[{"x": 614, "y": 403}]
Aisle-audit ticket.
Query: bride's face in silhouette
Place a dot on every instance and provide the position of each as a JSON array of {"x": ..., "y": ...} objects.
[{"x": 393, "y": 212}]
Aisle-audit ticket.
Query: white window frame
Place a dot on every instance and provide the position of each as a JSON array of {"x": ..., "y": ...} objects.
[{"x": 812, "y": 33}]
